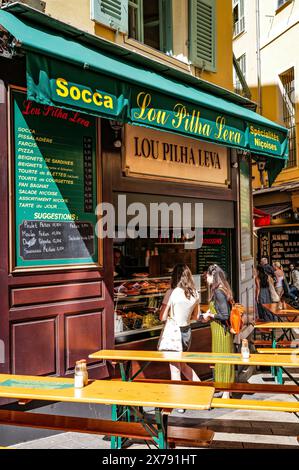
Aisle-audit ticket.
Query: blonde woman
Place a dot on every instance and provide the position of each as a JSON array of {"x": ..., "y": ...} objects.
[{"x": 279, "y": 276}]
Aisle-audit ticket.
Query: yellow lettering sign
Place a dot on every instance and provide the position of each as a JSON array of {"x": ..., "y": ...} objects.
[{"x": 86, "y": 95}]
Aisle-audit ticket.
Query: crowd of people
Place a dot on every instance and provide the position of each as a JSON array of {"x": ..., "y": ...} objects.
[
  {"x": 271, "y": 284},
  {"x": 181, "y": 303}
]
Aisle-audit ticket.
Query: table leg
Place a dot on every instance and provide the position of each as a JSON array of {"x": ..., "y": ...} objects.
[
  {"x": 116, "y": 441},
  {"x": 161, "y": 421},
  {"x": 273, "y": 369}
]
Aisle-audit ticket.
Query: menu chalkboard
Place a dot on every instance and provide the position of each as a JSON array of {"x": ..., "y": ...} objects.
[
  {"x": 280, "y": 245},
  {"x": 215, "y": 249},
  {"x": 55, "y": 185},
  {"x": 52, "y": 240}
]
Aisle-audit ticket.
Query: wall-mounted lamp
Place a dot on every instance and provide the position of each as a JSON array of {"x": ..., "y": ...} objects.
[
  {"x": 234, "y": 160},
  {"x": 261, "y": 165},
  {"x": 116, "y": 126}
]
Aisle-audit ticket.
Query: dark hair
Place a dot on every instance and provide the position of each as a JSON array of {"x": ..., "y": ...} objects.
[
  {"x": 263, "y": 276},
  {"x": 182, "y": 277},
  {"x": 220, "y": 281}
]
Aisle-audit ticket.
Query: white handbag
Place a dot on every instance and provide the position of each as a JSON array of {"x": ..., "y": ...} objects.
[
  {"x": 170, "y": 337},
  {"x": 274, "y": 296}
]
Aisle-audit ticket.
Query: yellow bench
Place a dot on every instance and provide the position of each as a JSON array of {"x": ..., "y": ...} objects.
[
  {"x": 278, "y": 350},
  {"x": 255, "y": 405},
  {"x": 129, "y": 396}
]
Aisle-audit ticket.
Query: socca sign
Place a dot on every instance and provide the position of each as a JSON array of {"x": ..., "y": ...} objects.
[{"x": 153, "y": 154}]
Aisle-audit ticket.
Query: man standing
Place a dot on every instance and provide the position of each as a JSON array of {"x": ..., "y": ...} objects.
[
  {"x": 294, "y": 280},
  {"x": 267, "y": 268}
]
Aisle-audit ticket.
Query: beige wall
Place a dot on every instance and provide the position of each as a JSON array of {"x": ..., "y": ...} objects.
[
  {"x": 77, "y": 13},
  {"x": 278, "y": 46}
]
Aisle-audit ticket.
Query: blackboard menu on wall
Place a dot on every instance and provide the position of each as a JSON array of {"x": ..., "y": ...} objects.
[
  {"x": 280, "y": 245},
  {"x": 215, "y": 249},
  {"x": 55, "y": 185}
]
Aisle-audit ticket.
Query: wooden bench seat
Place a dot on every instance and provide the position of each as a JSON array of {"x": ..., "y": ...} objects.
[
  {"x": 237, "y": 387},
  {"x": 278, "y": 350},
  {"x": 255, "y": 405},
  {"x": 192, "y": 437},
  {"x": 280, "y": 344}
]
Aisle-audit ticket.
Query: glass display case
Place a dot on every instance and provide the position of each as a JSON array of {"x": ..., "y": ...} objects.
[{"x": 137, "y": 303}]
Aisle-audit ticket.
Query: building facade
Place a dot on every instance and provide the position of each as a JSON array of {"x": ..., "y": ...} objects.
[
  {"x": 264, "y": 32},
  {"x": 117, "y": 101}
]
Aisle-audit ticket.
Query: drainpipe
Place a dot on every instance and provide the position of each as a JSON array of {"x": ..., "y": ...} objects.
[{"x": 258, "y": 55}]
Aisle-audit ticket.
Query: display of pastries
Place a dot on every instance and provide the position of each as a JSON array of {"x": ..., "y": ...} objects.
[{"x": 144, "y": 314}]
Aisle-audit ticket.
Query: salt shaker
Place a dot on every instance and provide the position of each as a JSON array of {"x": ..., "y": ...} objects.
[
  {"x": 245, "y": 349},
  {"x": 79, "y": 378}
]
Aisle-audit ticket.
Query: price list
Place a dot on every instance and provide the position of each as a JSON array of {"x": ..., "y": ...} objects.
[
  {"x": 55, "y": 185},
  {"x": 215, "y": 249},
  {"x": 88, "y": 177}
]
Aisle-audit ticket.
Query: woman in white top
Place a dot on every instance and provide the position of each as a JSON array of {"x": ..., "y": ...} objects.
[
  {"x": 184, "y": 299},
  {"x": 279, "y": 276}
]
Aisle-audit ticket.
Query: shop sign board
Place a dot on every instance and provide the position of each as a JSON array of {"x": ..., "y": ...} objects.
[
  {"x": 166, "y": 156},
  {"x": 161, "y": 103},
  {"x": 55, "y": 187}
]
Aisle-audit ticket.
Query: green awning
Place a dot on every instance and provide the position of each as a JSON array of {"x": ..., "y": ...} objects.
[{"x": 63, "y": 72}]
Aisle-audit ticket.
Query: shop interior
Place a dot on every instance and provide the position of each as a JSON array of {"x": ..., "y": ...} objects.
[{"x": 142, "y": 275}]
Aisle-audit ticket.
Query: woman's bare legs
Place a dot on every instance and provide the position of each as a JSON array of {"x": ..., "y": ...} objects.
[
  {"x": 175, "y": 371},
  {"x": 189, "y": 373}
]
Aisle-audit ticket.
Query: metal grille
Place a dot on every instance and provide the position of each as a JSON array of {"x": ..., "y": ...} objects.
[{"x": 289, "y": 112}]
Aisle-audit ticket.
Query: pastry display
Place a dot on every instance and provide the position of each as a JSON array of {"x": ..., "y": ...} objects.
[{"x": 138, "y": 302}]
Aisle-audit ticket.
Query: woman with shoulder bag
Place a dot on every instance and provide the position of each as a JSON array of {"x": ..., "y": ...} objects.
[
  {"x": 264, "y": 293},
  {"x": 219, "y": 312},
  {"x": 181, "y": 303}
]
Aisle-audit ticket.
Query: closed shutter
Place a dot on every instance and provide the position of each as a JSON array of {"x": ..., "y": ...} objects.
[
  {"x": 202, "y": 30},
  {"x": 112, "y": 13}
]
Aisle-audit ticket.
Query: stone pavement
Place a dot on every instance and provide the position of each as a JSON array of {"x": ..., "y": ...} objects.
[{"x": 233, "y": 429}]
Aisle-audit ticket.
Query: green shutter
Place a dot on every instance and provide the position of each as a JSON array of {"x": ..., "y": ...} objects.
[
  {"x": 112, "y": 13},
  {"x": 202, "y": 30},
  {"x": 166, "y": 29}
]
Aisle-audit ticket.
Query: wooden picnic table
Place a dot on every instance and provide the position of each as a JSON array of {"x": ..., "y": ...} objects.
[
  {"x": 116, "y": 393},
  {"x": 286, "y": 327},
  {"x": 125, "y": 358},
  {"x": 287, "y": 311}
]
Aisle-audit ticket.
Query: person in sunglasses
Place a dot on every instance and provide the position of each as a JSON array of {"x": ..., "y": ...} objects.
[{"x": 221, "y": 299}]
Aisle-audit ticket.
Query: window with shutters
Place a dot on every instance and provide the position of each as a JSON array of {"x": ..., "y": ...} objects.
[
  {"x": 280, "y": 3},
  {"x": 238, "y": 17},
  {"x": 237, "y": 82},
  {"x": 150, "y": 22},
  {"x": 202, "y": 33},
  {"x": 112, "y": 13},
  {"x": 289, "y": 112}
]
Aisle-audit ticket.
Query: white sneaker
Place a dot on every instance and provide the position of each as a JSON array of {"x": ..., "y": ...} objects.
[{"x": 181, "y": 410}]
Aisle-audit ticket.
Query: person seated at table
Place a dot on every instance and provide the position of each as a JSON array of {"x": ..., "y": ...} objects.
[
  {"x": 183, "y": 300},
  {"x": 219, "y": 313}
]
